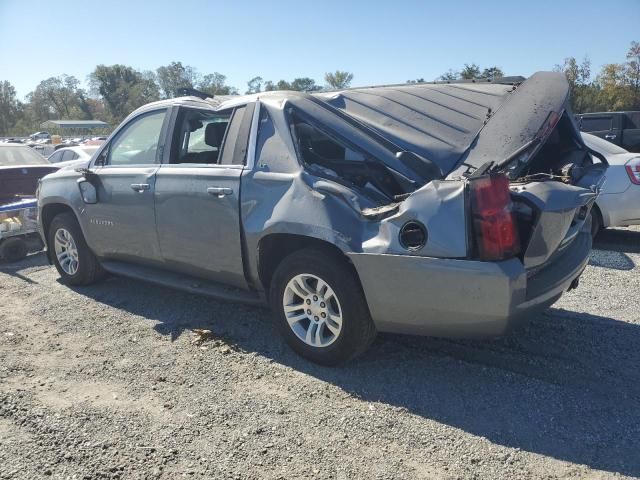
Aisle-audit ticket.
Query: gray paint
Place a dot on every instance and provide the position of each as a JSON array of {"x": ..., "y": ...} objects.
[{"x": 176, "y": 226}]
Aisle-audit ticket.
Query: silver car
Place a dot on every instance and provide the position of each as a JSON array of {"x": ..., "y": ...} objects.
[
  {"x": 619, "y": 202},
  {"x": 449, "y": 209}
]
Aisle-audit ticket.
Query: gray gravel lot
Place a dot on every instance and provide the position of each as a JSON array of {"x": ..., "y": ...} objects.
[{"x": 106, "y": 382}]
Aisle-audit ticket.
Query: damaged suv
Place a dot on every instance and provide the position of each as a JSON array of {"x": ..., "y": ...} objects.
[{"x": 446, "y": 209}]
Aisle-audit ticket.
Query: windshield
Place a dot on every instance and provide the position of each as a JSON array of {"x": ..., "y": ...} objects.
[
  {"x": 601, "y": 146},
  {"x": 19, "y": 155}
]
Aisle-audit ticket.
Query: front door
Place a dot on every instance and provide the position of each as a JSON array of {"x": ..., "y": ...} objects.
[
  {"x": 198, "y": 194},
  {"x": 121, "y": 224}
]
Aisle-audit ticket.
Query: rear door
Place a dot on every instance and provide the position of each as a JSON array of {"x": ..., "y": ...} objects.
[
  {"x": 603, "y": 126},
  {"x": 121, "y": 224},
  {"x": 198, "y": 194}
]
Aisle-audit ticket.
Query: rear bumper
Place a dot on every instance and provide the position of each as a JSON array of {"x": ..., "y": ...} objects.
[{"x": 462, "y": 298}]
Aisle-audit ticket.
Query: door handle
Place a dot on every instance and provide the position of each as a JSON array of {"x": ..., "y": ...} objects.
[
  {"x": 219, "y": 192},
  {"x": 140, "y": 187},
  {"x": 610, "y": 136}
]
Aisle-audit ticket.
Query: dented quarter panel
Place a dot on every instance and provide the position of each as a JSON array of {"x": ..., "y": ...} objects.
[{"x": 440, "y": 207}]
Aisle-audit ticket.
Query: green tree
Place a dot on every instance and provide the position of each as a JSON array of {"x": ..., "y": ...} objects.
[
  {"x": 254, "y": 85},
  {"x": 470, "y": 72},
  {"x": 9, "y": 107},
  {"x": 215, "y": 84},
  {"x": 449, "y": 76},
  {"x": 59, "y": 97},
  {"x": 304, "y": 84},
  {"x": 175, "y": 76},
  {"x": 633, "y": 72},
  {"x": 123, "y": 89},
  {"x": 614, "y": 91},
  {"x": 338, "y": 80},
  {"x": 417, "y": 80},
  {"x": 583, "y": 92},
  {"x": 492, "y": 73}
]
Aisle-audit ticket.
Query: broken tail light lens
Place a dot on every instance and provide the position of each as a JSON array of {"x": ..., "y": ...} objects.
[
  {"x": 633, "y": 170},
  {"x": 494, "y": 226}
]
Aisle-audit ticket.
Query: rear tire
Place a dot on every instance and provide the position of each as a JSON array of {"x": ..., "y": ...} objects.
[
  {"x": 327, "y": 319},
  {"x": 72, "y": 257},
  {"x": 596, "y": 222}
]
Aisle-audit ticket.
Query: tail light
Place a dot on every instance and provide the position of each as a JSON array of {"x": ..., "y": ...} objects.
[
  {"x": 494, "y": 226},
  {"x": 633, "y": 170}
]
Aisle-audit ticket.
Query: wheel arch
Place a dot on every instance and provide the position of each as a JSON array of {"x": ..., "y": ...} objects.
[
  {"x": 47, "y": 214},
  {"x": 275, "y": 247}
]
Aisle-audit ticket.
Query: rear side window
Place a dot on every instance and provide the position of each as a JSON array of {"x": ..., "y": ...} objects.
[
  {"x": 56, "y": 157},
  {"x": 595, "y": 124},
  {"x": 199, "y": 136},
  {"x": 318, "y": 148},
  {"x": 228, "y": 153},
  {"x": 69, "y": 155}
]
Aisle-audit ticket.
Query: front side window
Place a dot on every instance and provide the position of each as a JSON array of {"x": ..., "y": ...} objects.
[{"x": 138, "y": 143}]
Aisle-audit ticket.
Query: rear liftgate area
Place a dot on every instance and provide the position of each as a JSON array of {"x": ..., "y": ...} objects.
[{"x": 528, "y": 232}]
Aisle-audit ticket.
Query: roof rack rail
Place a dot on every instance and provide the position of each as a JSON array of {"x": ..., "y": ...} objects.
[{"x": 192, "y": 92}]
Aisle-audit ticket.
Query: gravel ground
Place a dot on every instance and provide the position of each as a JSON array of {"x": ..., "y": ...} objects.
[{"x": 107, "y": 382}]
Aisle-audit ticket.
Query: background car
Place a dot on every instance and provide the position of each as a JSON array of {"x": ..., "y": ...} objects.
[
  {"x": 619, "y": 202},
  {"x": 20, "y": 169},
  {"x": 63, "y": 157}
]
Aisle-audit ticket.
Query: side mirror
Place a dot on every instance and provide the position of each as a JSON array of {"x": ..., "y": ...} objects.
[{"x": 88, "y": 191}]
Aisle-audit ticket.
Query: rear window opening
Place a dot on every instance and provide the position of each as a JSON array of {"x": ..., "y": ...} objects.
[{"x": 325, "y": 155}]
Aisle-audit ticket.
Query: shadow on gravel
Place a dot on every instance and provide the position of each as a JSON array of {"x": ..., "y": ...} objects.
[
  {"x": 566, "y": 387},
  {"x": 610, "y": 259},
  {"x": 618, "y": 239},
  {"x": 15, "y": 268}
]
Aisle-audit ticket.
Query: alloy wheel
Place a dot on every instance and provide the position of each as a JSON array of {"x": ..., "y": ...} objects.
[
  {"x": 312, "y": 310},
  {"x": 66, "y": 251}
]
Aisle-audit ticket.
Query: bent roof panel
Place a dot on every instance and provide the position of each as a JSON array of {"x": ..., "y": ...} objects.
[{"x": 437, "y": 121}]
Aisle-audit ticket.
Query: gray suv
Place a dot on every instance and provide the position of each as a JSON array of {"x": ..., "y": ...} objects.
[{"x": 446, "y": 209}]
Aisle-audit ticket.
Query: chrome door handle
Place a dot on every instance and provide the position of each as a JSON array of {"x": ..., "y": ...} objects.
[
  {"x": 219, "y": 192},
  {"x": 610, "y": 136},
  {"x": 140, "y": 187}
]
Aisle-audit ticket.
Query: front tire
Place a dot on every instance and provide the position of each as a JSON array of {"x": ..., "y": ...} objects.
[
  {"x": 319, "y": 307},
  {"x": 72, "y": 257}
]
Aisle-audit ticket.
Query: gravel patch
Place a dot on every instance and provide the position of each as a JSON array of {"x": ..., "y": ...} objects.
[{"x": 110, "y": 381}]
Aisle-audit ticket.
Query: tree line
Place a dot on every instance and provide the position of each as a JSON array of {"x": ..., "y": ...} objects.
[{"x": 116, "y": 90}]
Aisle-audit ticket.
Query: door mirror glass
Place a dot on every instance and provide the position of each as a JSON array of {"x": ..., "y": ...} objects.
[{"x": 88, "y": 191}]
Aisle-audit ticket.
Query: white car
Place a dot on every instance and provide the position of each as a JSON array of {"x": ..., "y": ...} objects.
[
  {"x": 64, "y": 157},
  {"x": 619, "y": 202}
]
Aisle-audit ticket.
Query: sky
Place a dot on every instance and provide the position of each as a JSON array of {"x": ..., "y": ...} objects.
[{"x": 379, "y": 42}]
